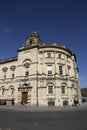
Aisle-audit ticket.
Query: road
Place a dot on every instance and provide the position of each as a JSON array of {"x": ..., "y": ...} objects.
[{"x": 62, "y": 119}]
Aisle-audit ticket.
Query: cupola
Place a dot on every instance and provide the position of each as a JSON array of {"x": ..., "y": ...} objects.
[{"x": 33, "y": 39}]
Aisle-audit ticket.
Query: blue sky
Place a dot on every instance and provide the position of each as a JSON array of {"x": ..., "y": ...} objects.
[{"x": 61, "y": 21}]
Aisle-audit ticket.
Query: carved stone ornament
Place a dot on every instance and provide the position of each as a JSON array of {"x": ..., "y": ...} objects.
[
  {"x": 13, "y": 68},
  {"x": 33, "y": 39},
  {"x": 26, "y": 65},
  {"x": 5, "y": 69}
]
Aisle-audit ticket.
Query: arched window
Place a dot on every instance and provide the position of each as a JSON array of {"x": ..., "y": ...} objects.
[
  {"x": 74, "y": 90},
  {"x": 26, "y": 65},
  {"x": 60, "y": 69},
  {"x": 63, "y": 88},
  {"x": 11, "y": 90},
  {"x": 12, "y": 68},
  {"x": 2, "y": 90},
  {"x": 4, "y": 72},
  {"x": 50, "y": 88}
]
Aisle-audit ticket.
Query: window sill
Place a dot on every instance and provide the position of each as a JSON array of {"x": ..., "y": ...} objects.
[{"x": 50, "y": 95}]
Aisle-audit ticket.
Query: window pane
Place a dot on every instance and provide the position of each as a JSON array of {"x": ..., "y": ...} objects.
[
  {"x": 59, "y": 56},
  {"x": 49, "y": 72},
  {"x": 61, "y": 70},
  {"x": 63, "y": 89},
  {"x": 26, "y": 73},
  {"x": 51, "y": 103},
  {"x": 50, "y": 90},
  {"x": 49, "y": 55},
  {"x": 49, "y": 68}
]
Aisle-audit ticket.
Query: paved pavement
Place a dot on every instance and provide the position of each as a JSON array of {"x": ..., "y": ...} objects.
[{"x": 42, "y": 109}]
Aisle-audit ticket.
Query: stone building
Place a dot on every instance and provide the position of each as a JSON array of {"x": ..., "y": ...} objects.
[{"x": 41, "y": 74}]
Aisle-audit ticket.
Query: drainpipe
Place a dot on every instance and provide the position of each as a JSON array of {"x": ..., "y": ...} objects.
[
  {"x": 37, "y": 77},
  {"x": 37, "y": 89}
]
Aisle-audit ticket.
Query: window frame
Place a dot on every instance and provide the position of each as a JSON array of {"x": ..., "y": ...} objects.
[
  {"x": 60, "y": 69},
  {"x": 63, "y": 89},
  {"x": 59, "y": 55},
  {"x": 26, "y": 73},
  {"x": 50, "y": 89},
  {"x": 49, "y": 55},
  {"x": 49, "y": 69},
  {"x": 13, "y": 75},
  {"x": 3, "y": 91}
]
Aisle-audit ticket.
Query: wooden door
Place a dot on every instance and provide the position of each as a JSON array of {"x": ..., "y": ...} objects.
[{"x": 24, "y": 97}]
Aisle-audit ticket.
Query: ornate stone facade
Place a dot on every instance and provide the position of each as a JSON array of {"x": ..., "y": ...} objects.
[{"x": 41, "y": 74}]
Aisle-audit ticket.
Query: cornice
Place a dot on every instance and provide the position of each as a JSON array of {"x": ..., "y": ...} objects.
[{"x": 8, "y": 60}]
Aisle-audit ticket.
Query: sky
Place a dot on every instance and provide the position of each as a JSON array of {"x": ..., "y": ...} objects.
[{"x": 60, "y": 21}]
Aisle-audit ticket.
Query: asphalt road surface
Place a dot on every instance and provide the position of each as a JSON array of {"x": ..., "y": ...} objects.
[{"x": 70, "y": 119}]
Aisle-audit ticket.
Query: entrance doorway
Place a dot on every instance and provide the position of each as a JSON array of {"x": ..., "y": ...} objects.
[{"x": 24, "y": 97}]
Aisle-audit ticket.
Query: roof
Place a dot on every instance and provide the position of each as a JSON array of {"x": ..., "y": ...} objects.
[{"x": 8, "y": 60}]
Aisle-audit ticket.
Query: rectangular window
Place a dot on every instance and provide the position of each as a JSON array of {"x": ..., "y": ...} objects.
[
  {"x": 12, "y": 75},
  {"x": 63, "y": 89},
  {"x": 59, "y": 56},
  {"x": 27, "y": 73},
  {"x": 50, "y": 89},
  {"x": 68, "y": 69},
  {"x": 12, "y": 91},
  {"x": 61, "y": 70},
  {"x": 3, "y": 91},
  {"x": 49, "y": 55},
  {"x": 49, "y": 69}
]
